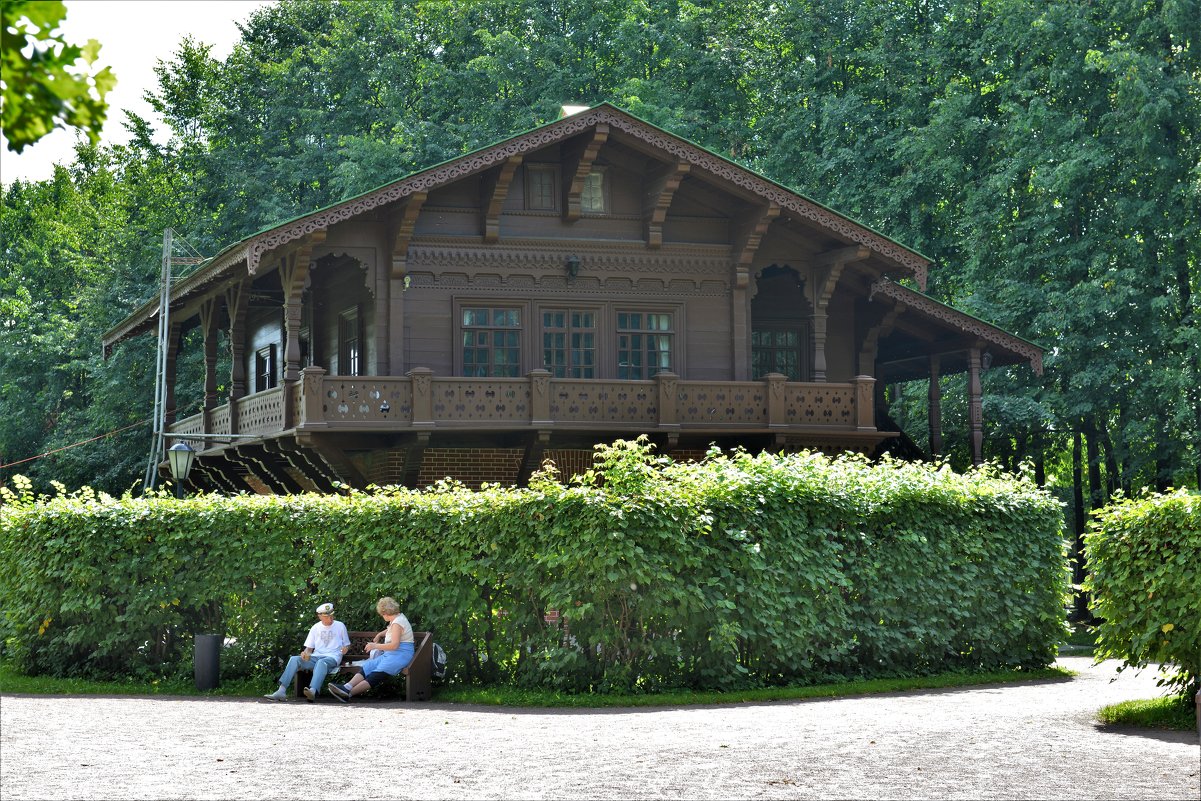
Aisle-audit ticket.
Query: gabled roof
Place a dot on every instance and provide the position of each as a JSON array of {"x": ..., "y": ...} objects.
[
  {"x": 1010, "y": 349},
  {"x": 250, "y": 251}
]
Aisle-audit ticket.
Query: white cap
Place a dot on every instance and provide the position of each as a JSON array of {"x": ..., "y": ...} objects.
[{"x": 325, "y": 609}]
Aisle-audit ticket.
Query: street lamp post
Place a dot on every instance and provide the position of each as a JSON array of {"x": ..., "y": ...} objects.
[{"x": 180, "y": 457}]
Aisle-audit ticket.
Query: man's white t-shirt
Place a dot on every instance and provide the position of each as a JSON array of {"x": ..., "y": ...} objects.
[{"x": 328, "y": 640}]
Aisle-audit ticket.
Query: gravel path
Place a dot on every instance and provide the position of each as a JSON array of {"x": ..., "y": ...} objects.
[{"x": 1002, "y": 741}]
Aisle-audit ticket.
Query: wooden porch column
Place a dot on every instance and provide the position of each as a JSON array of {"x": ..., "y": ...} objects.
[
  {"x": 865, "y": 409},
  {"x": 237, "y": 300},
  {"x": 539, "y": 396},
  {"x": 209, "y": 312},
  {"x": 975, "y": 405},
  {"x": 668, "y": 413},
  {"x": 830, "y": 266},
  {"x": 173, "y": 340},
  {"x": 777, "y": 411},
  {"x": 294, "y": 273},
  {"x": 935, "y": 408},
  {"x": 423, "y": 399}
]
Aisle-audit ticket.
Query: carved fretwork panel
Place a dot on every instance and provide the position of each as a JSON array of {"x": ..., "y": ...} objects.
[
  {"x": 734, "y": 405},
  {"x": 605, "y": 402},
  {"x": 476, "y": 400}
]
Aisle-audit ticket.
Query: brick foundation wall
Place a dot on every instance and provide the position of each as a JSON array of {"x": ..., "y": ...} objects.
[{"x": 472, "y": 466}]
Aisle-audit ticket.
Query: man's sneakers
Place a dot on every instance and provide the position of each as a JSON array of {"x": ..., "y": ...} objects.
[
  {"x": 279, "y": 695},
  {"x": 340, "y": 692},
  {"x": 309, "y": 694}
]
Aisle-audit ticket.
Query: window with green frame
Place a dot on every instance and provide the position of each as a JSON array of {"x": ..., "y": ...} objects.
[
  {"x": 491, "y": 338},
  {"x": 644, "y": 344}
]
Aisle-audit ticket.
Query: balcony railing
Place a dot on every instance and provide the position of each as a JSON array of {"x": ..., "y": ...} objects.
[{"x": 422, "y": 401}]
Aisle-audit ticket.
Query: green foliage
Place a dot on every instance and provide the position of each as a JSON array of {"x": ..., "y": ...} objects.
[
  {"x": 738, "y": 572},
  {"x": 42, "y": 91},
  {"x": 1145, "y": 558}
]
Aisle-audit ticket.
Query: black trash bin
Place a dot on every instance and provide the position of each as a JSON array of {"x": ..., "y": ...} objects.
[{"x": 207, "y": 660}]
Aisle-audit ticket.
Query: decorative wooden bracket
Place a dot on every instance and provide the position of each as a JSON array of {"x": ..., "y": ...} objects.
[
  {"x": 867, "y": 352},
  {"x": 832, "y": 264},
  {"x": 661, "y": 188},
  {"x": 579, "y": 171},
  {"x": 293, "y": 274},
  {"x": 752, "y": 229},
  {"x": 404, "y": 233},
  {"x": 495, "y": 191}
]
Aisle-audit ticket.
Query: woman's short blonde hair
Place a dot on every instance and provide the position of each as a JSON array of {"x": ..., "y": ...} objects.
[{"x": 387, "y": 606}]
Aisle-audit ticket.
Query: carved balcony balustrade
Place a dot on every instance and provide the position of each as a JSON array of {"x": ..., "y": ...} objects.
[{"x": 422, "y": 401}]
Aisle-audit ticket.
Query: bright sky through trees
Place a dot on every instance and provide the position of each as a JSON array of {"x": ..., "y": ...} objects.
[{"x": 133, "y": 36}]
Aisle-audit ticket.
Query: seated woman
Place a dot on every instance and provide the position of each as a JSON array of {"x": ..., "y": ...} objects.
[{"x": 384, "y": 660}]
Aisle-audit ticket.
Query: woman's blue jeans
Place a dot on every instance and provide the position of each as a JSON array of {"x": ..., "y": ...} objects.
[{"x": 318, "y": 666}]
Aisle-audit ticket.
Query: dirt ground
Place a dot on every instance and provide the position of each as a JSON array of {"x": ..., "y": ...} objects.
[{"x": 1001, "y": 741}]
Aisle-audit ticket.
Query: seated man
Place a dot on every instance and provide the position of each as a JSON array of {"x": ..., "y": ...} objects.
[{"x": 324, "y": 648}]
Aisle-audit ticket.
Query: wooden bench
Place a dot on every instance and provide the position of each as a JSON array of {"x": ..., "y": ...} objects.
[{"x": 417, "y": 675}]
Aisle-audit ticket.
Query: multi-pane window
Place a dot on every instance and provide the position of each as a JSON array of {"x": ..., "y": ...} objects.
[
  {"x": 491, "y": 341},
  {"x": 350, "y": 339},
  {"x": 777, "y": 350},
  {"x": 592, "y": 198},
  {"x": 265, "y": 375},
  {"x": 569, "y": 343},
  {"x": 540, "y": 188},
  {"x": 644, "y": 342}
]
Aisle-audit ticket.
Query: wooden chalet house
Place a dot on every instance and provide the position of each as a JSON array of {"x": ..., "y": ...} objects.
[{"x": 592, "y": 279}]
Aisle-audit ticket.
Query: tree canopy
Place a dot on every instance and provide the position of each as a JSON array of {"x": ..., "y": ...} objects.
[
  {"x": 1046, "y": 154},
  {"x": 42, "y": 89}
]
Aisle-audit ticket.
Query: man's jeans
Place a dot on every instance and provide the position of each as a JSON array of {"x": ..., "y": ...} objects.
[{"x": 319, "y": 666}]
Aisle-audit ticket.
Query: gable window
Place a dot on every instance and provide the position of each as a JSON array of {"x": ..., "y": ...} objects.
[
  {"x": 644, "y": 344},
  {"x": 592, "y": 198},
  {"x": 491, "y": 341},
  {"x": 569, "y": 342},
  {"x": 265, "y": 375},
  {"x": 350, "y": 343},
  {"x": 540, "y": 194}
]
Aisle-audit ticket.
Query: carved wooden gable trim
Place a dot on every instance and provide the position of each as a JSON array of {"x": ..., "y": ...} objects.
[
  {"x": 601, "y": 119},
  {"x": 959, "y": 320}
]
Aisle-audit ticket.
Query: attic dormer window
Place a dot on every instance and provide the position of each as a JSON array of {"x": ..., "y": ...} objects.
[
  {"x": 540, "y": 194},
  {"x": 592, "y": 199}
]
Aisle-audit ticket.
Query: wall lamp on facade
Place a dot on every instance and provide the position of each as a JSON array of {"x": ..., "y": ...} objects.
[
  {"x": 180, "y": 457},
  {"x": 573, "y": 266},
  {"x": 986, "y": 360}
]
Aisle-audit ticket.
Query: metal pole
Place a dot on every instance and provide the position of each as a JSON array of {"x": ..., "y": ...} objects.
[{"x": 160, "y": 366}]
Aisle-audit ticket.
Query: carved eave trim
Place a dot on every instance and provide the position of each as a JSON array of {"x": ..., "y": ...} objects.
[
  {"x": 495, "y": 192},
  {"x": 960, "y": 321},
  {"x": 658, "y": 199},
  {"x": 580, "y": 170},
  {"x": 753, "y": 229},
  {"x": 404, "y": 233}
]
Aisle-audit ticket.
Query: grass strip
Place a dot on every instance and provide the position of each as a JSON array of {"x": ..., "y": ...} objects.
[
  {"x": 1176, "y": 713},
  {"x": 13, "y": 682},
  {"x": 507, "y": 696}
]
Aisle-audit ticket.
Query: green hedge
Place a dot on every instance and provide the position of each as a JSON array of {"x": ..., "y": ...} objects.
[
  {"x": 1144, "y": 558},
  {"x": 739, "y": 571}
]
